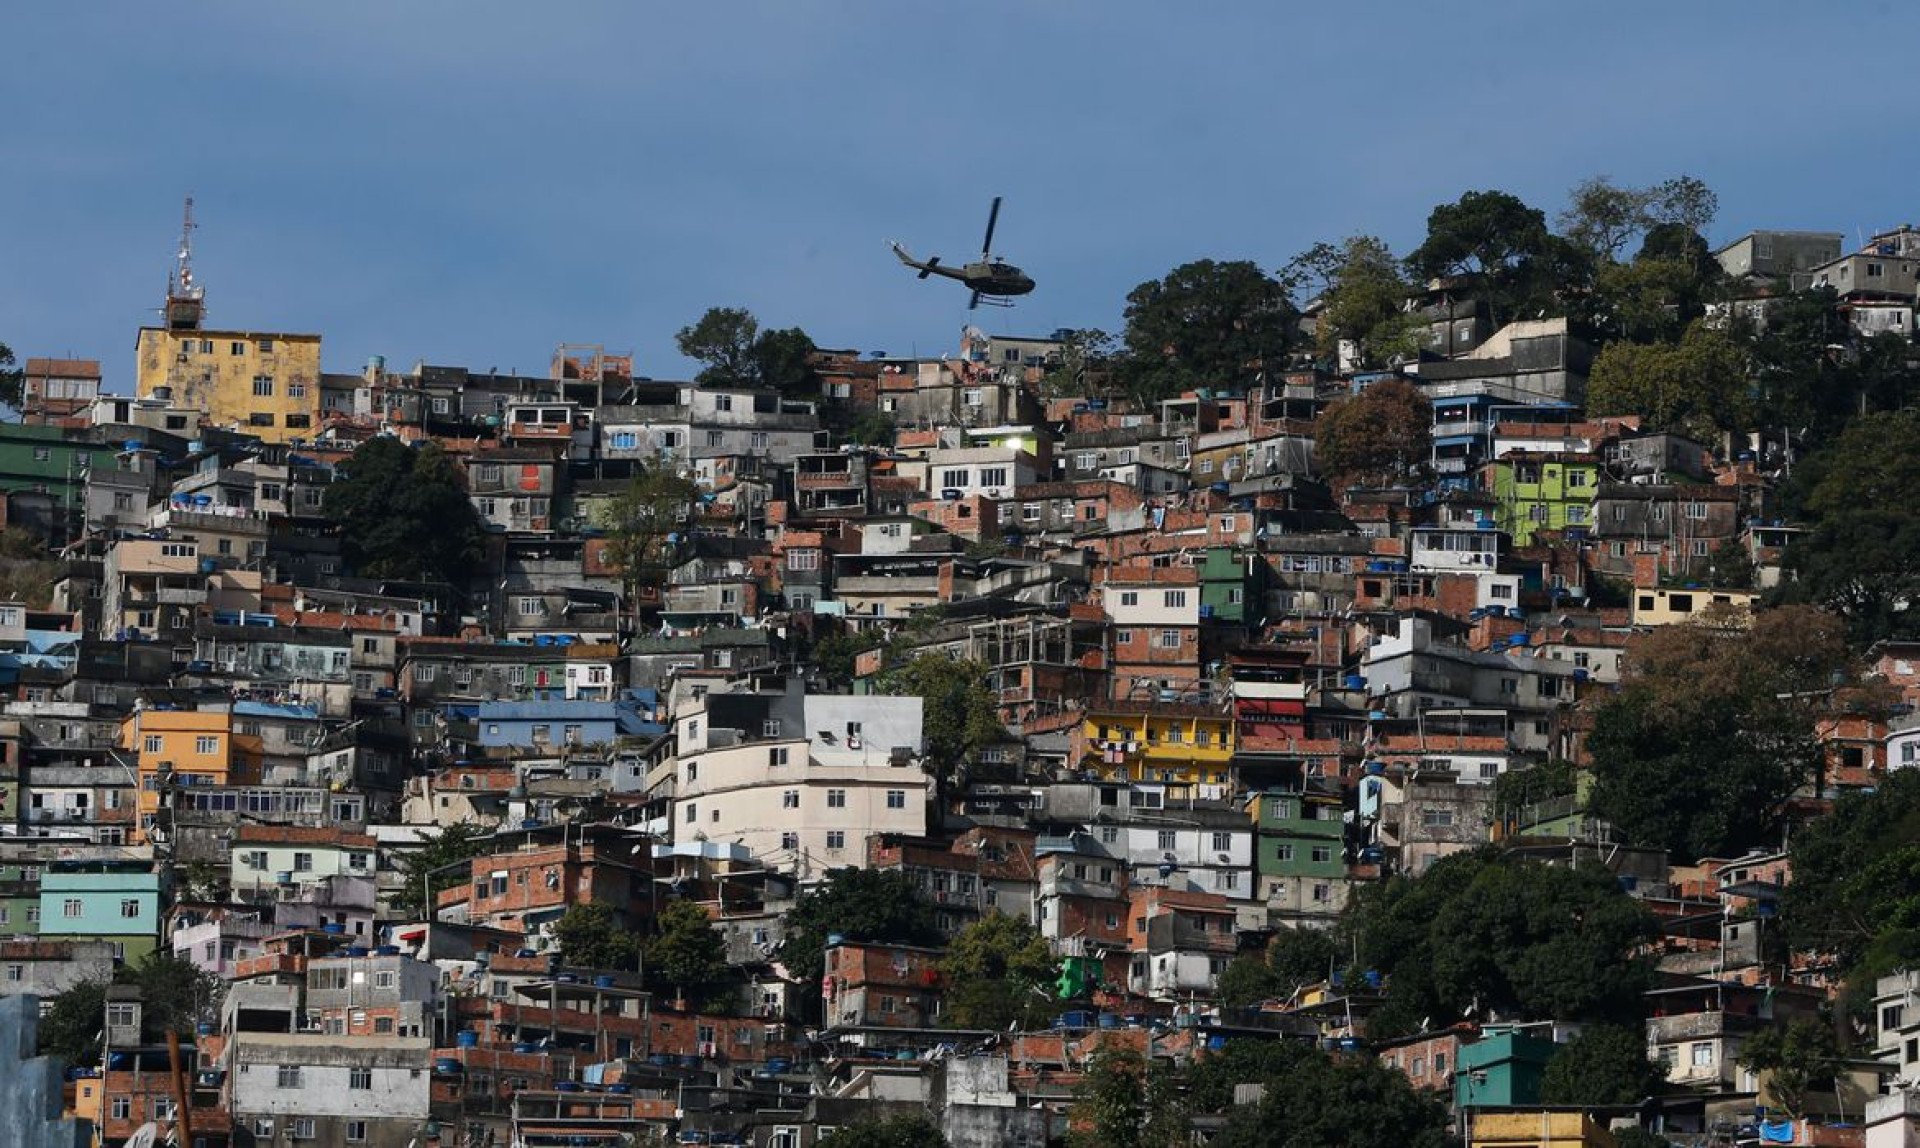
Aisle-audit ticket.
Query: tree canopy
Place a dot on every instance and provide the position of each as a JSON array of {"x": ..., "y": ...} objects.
[
  {"x": 1712, "y": 730},
  {"x": 1860, "y": 554},
  {"x": 687, "y": 956},
  {"x": 1796, "y": 1058},
  {"x": 958, "y": 716},
  {"x": 12, "y": 379},
  {"x": 656, "y": 502},
  {"x": 860, "y": 905},
  {"x": 1322, "y": 1098},
  {"x": 1382, "y": 435},
  {"x": 1497, "y": 242},
  {"x": 916, "y": 1131},
  {"x": 175, "y": 995},
  {"x": 1494, "y": 936},
  {"x": 1698, "y": 386},
  {"x": 591, "y": 936},
  {"x": 1363, "y": 291},
  {"x": 1604, "y": 217},
  {"x": 1205, "y": 324},
  {"x": 403, "y": 512},
  {"x": 435, "y": 866},
  {"x": 1855, "y": 893},
  {"x": 736, "y": 352},
  {"x": 997, "y": 971},
  {"x": 1604, "y": 1065}
]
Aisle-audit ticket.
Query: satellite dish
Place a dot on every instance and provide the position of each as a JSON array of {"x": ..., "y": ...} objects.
[{"x": 147, "y": 1136}]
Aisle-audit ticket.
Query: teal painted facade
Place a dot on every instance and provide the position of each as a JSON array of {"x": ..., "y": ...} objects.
[
  {"x": 41, "y": 458},
  {"x": 1501, "y": 1071},
  {"x": 1299, "y": 835},
  {"x": 121, "y": 907}
]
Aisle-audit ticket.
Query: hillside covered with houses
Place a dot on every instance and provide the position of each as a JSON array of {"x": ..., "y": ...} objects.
[{"x": 1459, "y": 696}]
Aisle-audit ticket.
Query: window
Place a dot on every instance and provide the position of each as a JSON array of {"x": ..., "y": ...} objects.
[
  {"x": 1696, "y": 510},
  {"x": 1167, "y": 839},
  {"x": 72, "y": 907},
  {"x": 1174, "y": 599},
  {"x": 288, "y": 1076},
  {"x": 1222, "y": 842},
  {"x": 896, "y": 799},
  {"x": 121, "y": 1107},
  {"x": 357, "y": 1129},
  {"x": 236, "y": 348},
  {"x": 1167, "y": 640},
  {"x": 693, "y": 813},
  {"x": 1436, "y": 818},
  {"x": 777, "y": 755},
  {"x": 1129, "y": 598},
  {"x": 1323, "y": 893},
  {"x": 770, "y": 728},
  {"x": 260, "y": 420},
  {"x": 993, "y": 476},
  {"x": 836, "y": 799},
  {"x": 790, "y": 841},
  {"x": 1322, "y": 854},
  {"x": 302, "y": 1126},
  {"x": 790, "y": 799},
  {"x": 263, "y": 386},
  {"x": 1702, "y": 1052},
  {"x": 153, "y": 743},
  {"x": 836, "y": 840},
  {"x": 206, "y": 745},
  {"x": 129, "y": 908},
  {"x": 302, "y": 862},
  {"x": 360, "y": 1079},
  {"x": 296, "y": 390}
]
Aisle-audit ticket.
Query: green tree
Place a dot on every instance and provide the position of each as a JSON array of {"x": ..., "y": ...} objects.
[
  {"x": 1211, "y": 1078},
  {"x": 783, "y": 360},
  {"x": 12, "y": 379},
  {"x": 1518, "y": 789},
  {"x": 916, "y": 1131},
  {"x": 403, "y": 512},
  {"x": 592, "y": 937},
  {"x": 737, "y": 353},
  {"x": 1494, "y": 935},
  {"x": 1603, "y": 217},
  {"x": 874, "y": 428},
  {"x": 1325, "y": 1099},
  {"x": 1124, "y": 1101},
  {"x": 1300, "y": 957},
  {"x": 1855, "y": 892},
  {"x": 1860, "y": 553},
  {"x": 860, "y": 905},
  {"x": 997, "y": 972},
  {"x": 1605, "y": 1065},
  {"x": 1206, "y": 324},
  {"x": 723, "y": 339},
  {"x": 435, "y": 866},
  {"x": 1247, "y": 981},
  {"x": 1083, "y": 366},
  {"x": 1698, "y": 386},
  {"x": 687, "y": 954},
  {"x": 175, "y": 995},
  {"x": 1660, "y": 293},
  {"x": 1797, "y": 1058},
  {"x": 656, "y": 503},
  {"x": 1363, "y": 291},
  {"x": 959, "y": 715},
  {"x": 1382, "y": 435},
  {"x": 1712, "y": 730},
  {"x": 1494, "y": 240}
]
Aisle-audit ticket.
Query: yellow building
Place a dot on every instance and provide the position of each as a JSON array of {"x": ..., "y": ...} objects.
[
  {"x": 256, "y": 382},
  {"x": 1538, "y": 1128},
  {"x": 1157, "y": 742},
  {"x": 194, "y": 747},
  {"x": 1658, "y": 607}
]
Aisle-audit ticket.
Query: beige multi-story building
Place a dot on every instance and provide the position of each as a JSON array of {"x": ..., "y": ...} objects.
[
  {"x": 257, "y": 382},
  {"x": 803, "y": 782}
]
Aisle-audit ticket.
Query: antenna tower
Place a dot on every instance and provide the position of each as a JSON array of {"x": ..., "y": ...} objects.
[{"x": 186, "y": 300}]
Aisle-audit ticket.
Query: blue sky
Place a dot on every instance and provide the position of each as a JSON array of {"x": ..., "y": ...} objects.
[{"x": 471, "y": 182}]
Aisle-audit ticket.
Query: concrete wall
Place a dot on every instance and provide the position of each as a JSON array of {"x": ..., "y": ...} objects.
[{"x": 30, "y": 1085}]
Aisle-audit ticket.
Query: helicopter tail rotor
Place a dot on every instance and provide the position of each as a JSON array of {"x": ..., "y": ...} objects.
[{"x": 927, "y": 268}]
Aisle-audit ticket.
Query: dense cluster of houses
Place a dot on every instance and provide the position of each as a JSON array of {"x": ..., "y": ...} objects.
[{"x": 1232, "y": 694}]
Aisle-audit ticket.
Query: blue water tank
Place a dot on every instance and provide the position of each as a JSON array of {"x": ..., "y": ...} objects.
[
  {"x": 447, "y": 1066},
  {"x": 466, "y": 1038}
]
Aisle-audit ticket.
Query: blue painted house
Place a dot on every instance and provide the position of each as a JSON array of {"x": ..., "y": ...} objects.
[{"x": 118, "y": 904}]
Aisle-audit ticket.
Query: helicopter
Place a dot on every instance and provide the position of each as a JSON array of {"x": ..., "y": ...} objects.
[{"x": 991, "y": 279}]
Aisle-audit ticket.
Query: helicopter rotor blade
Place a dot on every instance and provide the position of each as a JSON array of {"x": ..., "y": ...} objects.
[
  {"x": 993, "y": 217},
  {"x": 973, "y": 302}
]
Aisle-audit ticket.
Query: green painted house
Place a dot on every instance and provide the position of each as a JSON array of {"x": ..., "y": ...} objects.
[
  {"x": 42, "y": 459},
  {"x": 1534, "y": 491},
  {"x": 19, "y": 900},
  {"x": 1299, "y": 837},
  {"x": 1232, "y": 588}
]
